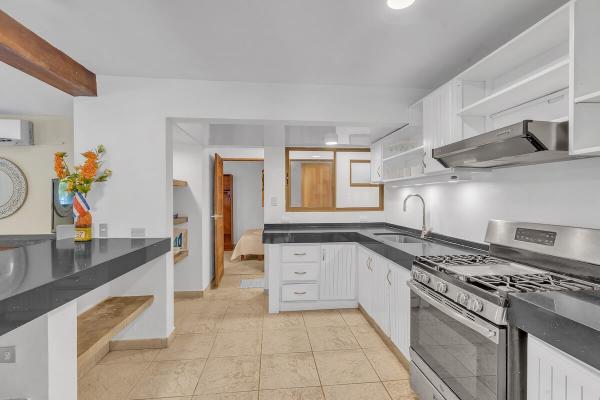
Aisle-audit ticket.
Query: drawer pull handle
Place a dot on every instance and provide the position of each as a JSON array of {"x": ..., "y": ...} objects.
[
  {"x": 299, "y": 254},
  {"x": 299, "y": 292},
  {"x": 300, "y": 273}
]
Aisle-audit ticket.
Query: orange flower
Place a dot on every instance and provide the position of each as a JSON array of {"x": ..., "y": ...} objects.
[
  {"x": 59, "y": 165},
  {"x": 90, "y": 155},
  {"x": 89, "y": 169}
]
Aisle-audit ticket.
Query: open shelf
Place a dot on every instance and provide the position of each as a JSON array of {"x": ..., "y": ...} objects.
[
  {"x": 549, "y": 80},
  {"x": 589, "y": 98},
  {"x": 98, "y": 325},
  {"x": 177, "y": 183},
  {"x": 548, "y": 34},
  {"x": 180, "y": 255},
  {"x": 180, "y": 220},
  {"x": 407, "y": 154},
  {"x": 447, "y": 175}
]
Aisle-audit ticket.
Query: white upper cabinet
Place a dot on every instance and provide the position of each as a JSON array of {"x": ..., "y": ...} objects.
[
  {"x": 440, "y": 123},
  {"x": 585, "y": 118},
  {"x": 376, "y": 163}
]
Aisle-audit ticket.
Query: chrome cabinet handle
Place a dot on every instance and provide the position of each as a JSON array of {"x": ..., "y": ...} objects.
[
  {"x": 300, "y": 273},
  {"x": 388, "y": 277},
  {"x": 300, "y": 293},
  {"x": 379, "y": 171},
  {"x": 299, "y": 254}
]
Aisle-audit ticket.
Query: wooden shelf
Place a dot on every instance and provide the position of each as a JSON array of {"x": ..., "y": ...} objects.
[
  {"x": 180, "y": 255},
  {"x": 549, "y": 80},
  {"x": 177, "y": 183},
  {"x": 180, "y": 220},
  {"x": 98, "y": 325}
]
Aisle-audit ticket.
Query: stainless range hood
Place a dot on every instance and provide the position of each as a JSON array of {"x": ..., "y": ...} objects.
[{"x": 528, "y": 142}]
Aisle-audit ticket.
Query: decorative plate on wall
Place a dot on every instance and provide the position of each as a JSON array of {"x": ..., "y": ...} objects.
[{"x": 13, "y": 188}]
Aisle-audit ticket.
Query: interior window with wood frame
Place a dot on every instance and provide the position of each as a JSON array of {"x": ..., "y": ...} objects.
[{"x": 326, "y": 179}]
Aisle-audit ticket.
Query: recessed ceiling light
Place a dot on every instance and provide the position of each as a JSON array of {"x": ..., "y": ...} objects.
[{"x": 399, "y": 4}]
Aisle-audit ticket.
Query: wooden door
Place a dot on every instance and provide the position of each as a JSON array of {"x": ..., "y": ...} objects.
[
  {"x": 317, "y": 185},
  {"x": 218, "y": 219},
  {"x": 228, "y": 212}
]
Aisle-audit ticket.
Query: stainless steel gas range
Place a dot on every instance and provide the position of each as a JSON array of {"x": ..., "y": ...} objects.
[{"x": 461, "y": 346}]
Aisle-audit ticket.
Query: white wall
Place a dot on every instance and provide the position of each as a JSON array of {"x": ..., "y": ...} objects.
[
  {"x": 566, "y": 193},
  {"x": 187, "y": 201},
  {"x": 247, "y": 195},
  {"x": 51, "y": 134}
]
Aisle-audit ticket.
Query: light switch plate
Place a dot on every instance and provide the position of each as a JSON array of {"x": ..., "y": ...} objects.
[
  {"x": 8, "y": 355},
  {"x": 274, "y": 201},
  {"x": 103, "y": 230}
]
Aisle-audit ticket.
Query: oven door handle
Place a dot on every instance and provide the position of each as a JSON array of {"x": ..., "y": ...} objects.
[{"x": 485, "y": 331}]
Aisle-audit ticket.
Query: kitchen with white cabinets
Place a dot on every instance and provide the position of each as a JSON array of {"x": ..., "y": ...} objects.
[{"x": 429, "y": 195}]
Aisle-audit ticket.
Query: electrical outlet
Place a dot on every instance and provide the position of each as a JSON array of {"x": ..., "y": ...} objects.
[
  {"x": 8, "y": 355},
  {"x": 274, "y": 201},
  {"x": 138, "y": 232},
  {"x": 103, "y": 230}
]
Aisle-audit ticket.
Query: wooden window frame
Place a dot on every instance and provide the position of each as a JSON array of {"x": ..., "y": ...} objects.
[
  {"x": 289, "y": 208},
  {"x": 360, "y": 184}
]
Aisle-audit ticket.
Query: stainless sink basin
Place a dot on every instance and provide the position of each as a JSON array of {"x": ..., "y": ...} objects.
[{"x": 398, "y": 237}]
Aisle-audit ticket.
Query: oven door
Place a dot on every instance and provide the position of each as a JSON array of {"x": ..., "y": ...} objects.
[{"x": 463, "y": 353}]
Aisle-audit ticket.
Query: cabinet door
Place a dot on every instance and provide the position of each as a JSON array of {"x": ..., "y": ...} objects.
[
  {"x": 552, "y": 374},
  {"x": 365, "y": 279},
  {"x": 400, "y": 309},
  {"x": 376, "y": 162},
  {"x": 338, "y": 272},
  {"x": 381, "y": 294}
]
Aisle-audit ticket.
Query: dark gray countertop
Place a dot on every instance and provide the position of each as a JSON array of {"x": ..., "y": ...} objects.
[
  {"x": 39, "y": 274},
  {"x": 569, "y": 321},
  {"x": 365, "y": 234}
]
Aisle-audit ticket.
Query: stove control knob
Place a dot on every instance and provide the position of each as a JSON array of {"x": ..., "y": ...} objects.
[
  {"x": 425, "y": 278},
  {"x": 441, "y": 287},
  {"x": 462, "y": 299},
  {"x": 415, "y": 275},
  {"x": 475, "y": 305}
]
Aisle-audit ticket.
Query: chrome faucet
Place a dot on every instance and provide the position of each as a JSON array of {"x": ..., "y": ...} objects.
[{"x": 424, "y": 230}]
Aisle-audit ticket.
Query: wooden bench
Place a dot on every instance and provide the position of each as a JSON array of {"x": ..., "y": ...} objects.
[{"x": 98, "y": 325}]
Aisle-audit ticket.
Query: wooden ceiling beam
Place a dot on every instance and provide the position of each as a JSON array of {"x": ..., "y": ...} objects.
[{"x": 27, "y": 52}]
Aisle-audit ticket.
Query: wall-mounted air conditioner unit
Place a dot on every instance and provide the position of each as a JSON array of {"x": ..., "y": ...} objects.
[{"x": 16, "y": 132}]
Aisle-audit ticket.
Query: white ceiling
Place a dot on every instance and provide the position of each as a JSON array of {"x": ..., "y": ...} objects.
[{"x": 353, "y": 42}]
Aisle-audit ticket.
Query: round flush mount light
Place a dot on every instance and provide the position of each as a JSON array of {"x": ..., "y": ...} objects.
[
  {"x": 399, "y": 4},
  {"x": 331, "y": 139}
]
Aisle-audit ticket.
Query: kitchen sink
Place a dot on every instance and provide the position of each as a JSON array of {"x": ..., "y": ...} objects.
[{"x": 399, "y": 237}]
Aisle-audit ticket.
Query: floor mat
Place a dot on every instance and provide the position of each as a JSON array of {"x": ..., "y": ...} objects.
[{"x": 252, "y": 283}]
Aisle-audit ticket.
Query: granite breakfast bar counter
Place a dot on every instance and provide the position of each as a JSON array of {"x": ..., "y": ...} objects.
[{"x": 46, "y": 284}]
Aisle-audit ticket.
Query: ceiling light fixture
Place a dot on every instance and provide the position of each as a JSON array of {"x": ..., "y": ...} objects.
[
  {"x": 331, "y": 139},
  {"x": 399, "y": 4}
]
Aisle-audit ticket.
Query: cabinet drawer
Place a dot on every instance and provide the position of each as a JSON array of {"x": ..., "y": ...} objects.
[
  {"x": 300, "y": 292},
  {"x": 299, "y": 272},
  {"x": 300, "y": 253}
]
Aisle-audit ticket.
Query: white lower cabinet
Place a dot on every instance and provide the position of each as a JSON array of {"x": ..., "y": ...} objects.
[
  {"x": 338, "y": 272},
  {"x": 381, "y": 294},
  {"x": 553, "y": 374},
  {"x": 400, "y": 309}
]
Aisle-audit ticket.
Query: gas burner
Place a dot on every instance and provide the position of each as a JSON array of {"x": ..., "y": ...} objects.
[
  {"x": 461, "y": 259},
  {"x": 542, "y": 282}
]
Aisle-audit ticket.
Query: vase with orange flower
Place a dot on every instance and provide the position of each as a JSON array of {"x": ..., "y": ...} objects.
[{"x": 79, "y": 183}]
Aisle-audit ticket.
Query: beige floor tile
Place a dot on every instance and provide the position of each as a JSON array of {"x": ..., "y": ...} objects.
[
  {"x": 208, "y": 308},
  {"x": 386, "y": 365},
  {"x": 332, "y": 338},
  {"x": 323, "y": 318},
  {"x": 285, "y": 341},
  {"x": 227, "y": 396},
  {"x": 229, "y": 374},
  {"x": 197, "y": 323},
  {"x": 353, "y": 317},
  {"x": 229, "y": 344},
  {"x": 187, "y": 347},
  {"x": 363, "y": 391},
  {"x": 169, "y": 379},
  {"x": 346, "y": 366},
  {"x": 310, "y": 393},
  {"x": 285, "y": 320},
  {"x": 110, "y": 382},
  {"x": 245, "y": 310},
  {"x": 173, "y": 398},
  {"x": 400, "y": 390},
  {"x": 241, "y": 324},
  {"x": 367, "y": 337},
  {"x": 281, "y": 371},
  {"x": 128, "y": 356}
]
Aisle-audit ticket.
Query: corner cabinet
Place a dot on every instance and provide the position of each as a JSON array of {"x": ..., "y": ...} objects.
[
  {"x": 338, "y": 272},
  {"x": 553, "y": 374}
]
